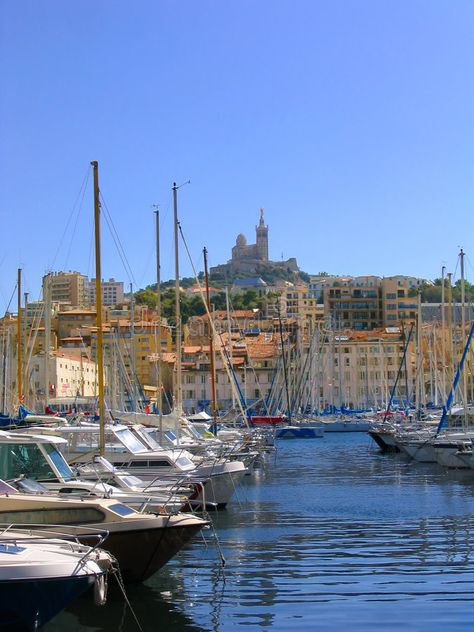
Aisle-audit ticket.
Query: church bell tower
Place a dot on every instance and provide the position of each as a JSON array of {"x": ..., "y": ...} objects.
[{"x": 262, "y": 238}]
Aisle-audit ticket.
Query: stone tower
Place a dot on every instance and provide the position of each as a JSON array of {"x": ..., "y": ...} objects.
[{"x": 262, "y": 239}]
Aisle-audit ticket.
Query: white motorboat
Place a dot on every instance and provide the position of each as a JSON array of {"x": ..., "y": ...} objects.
[
  {"x": 38, "y": 457},
  {"x": 125, "y": 450},
  {"x": 41, "y": 575}
]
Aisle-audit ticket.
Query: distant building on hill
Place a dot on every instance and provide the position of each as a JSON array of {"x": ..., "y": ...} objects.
[
  {"x": 251, "y": 283},
  {"x": 248, "y": 259}
]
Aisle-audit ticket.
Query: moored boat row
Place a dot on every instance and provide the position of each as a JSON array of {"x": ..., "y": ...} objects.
[{"x": 145, "y": 500}]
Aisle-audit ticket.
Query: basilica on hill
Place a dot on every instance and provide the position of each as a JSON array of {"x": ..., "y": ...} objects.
[{"x": 252, "y": 258}]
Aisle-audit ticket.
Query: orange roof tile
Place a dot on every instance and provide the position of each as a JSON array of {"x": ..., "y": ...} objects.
[
  {"x": 85, "y": 312},
  {"x": 262, "y": 351},
  {"x": 71, "y": 356}
]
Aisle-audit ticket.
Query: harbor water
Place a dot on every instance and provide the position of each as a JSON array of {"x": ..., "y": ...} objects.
[{"x": 330, "y": 534}]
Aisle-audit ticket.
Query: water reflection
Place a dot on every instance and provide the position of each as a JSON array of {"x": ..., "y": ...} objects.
[{"x": 333, "y": 535}]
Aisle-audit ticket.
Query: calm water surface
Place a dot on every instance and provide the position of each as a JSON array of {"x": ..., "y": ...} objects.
[{"x": 330, "y": 535}]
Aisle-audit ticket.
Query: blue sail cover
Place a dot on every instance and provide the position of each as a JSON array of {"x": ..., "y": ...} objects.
[{"x": 22, "y": 412}]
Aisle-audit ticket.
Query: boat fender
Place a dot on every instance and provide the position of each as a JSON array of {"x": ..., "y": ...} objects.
[{"x": 100, "y": 590}]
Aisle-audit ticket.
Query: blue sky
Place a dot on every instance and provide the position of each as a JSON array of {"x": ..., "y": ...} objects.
[{"x": 350, "y": 122}]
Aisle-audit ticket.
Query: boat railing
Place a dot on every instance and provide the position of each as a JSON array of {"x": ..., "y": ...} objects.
[{"x": 41, "y": 532}]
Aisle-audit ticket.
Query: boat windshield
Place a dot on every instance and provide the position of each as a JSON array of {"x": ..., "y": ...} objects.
[
  {"x": 148, "y": 440},
  {"x": 59, "y": 461},
  {"x": 24, "y": 460},
  {"x": 130, "y": 441}
]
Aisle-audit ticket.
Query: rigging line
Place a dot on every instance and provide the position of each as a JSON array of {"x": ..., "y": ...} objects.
[
  {"x": 82, "y": 188},
  {"x": 147, "y": 264},
  {"x": 455, "y": 270},
  {"x": 118, "y": 243},
  {"x": 466, "y": 259},
  {"x": 116, "y": 239},
  {"x": 78, "y": 214},
  {"x": 11, "y": 297},
  {"x": 26, "y": 285},
  {"x": 91, "y": 253}
]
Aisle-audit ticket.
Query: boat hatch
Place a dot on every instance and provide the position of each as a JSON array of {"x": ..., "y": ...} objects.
[
  {"x": 183, "y": 462},
  {"x": 122, "y": 510}
]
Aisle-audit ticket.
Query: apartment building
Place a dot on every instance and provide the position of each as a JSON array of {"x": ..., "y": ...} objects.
[
  {"x": 369, "y": 302},
  {"x": 70, "y": 375},
  {"x": 358, "y": 369},
  {"x": 67, "y": 287},
  {"x": 397, "y": 306},
  {"x": 70, "y": 323},
  {"x": 298, "y": 303},
  {"x": 112, "y": 292},
  {"x": 317, "y": 283}
]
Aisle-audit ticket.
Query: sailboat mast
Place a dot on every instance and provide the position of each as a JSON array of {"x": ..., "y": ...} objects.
[
  {"x": 98, "y": 305},
  {"x": 463, "y": 333},
  {"x": 211, "y": 348},
  {"x": 285, "y": 368},
  {"x": 443, "y": 332},
  {"x": 18, "y": 342},
  {"x": 179, "y": 392},
  {"x": 159, "y": 395},
  {"x": 47, "y": 334},
  {"x": 420, "y": 379},
  {"x": 25, "y": 346},
  {"x": 450, "y": 327},
  {"x": 229, "y": 333},
  {"x": 132, "y": 349}
]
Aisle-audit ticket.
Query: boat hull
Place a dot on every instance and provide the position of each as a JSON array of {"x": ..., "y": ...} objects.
[
  {"x": 299, "y": 432},
  {"x": 423, "y": 452},
  {"x": 266, "y": 420},
  {"x": 346, "y": 426},
  {"x": 385, "y": 440},
  {"x": 141, "y": 553},
  {"x": 29, "y": 604},
  {"x": 447, "y": 456}
]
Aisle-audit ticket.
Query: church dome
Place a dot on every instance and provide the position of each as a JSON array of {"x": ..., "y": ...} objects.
[{"x": 241, "y": 240}]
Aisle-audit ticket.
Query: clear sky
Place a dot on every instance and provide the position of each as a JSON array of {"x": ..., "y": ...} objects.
[{"x": 351, "y": 122}]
